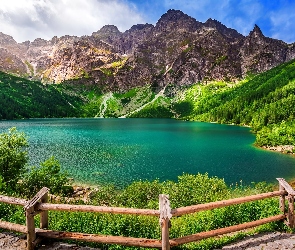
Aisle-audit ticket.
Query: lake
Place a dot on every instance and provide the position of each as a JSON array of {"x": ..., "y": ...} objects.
[{"x": 119, "y": 151}]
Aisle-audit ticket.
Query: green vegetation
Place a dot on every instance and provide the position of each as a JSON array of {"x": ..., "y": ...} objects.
[
  {"x": 47, "y": 175},
  {"x": 21, "y": 98},
  {"x": 13, "y": 158},
  {"x": 17, "y": 178},
  {"x": 160, "y": 108}
]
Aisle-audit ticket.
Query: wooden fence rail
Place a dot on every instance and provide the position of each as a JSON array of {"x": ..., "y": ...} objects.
[{"x": 39, "y": 205}]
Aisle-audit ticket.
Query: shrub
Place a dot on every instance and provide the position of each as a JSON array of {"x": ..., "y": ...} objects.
[
  {"x": 47, "y": 175},
  {"x": 13, "y": 157}
]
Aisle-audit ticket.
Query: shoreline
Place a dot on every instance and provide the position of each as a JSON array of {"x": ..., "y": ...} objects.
[{"x": 283, "y": 149}]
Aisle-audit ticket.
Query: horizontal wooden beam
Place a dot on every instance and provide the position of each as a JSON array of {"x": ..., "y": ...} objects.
[
  {"x": 96, "y": 209},
  {"x": 221, "y": 231},
  {"x": 286, "y": 186},
  {"x": 12, "y": 200},
  {"x": 223, "y": 203},
  {"x": 13, "y": 227},
  {"x": 120, "y": 240}
]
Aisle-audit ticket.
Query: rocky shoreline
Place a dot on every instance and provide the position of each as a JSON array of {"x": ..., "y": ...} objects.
[{"x": 285, "y": 149}]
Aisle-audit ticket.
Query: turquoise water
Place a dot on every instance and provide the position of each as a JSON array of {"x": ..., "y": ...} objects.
[{"x": 120, "y": 151}]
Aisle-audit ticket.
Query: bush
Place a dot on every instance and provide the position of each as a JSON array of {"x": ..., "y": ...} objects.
[
  {"x": 13, "y": 157},
  {"x": 47, "y": 175}
]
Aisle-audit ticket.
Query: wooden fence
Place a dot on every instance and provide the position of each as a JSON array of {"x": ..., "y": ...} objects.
[{"x": 39, "y": 205}]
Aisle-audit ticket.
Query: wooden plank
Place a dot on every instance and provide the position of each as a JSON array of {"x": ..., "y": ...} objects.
[
  {"x": 96, "y": 209},
  {"x": 286, "y": 185},
  {"x": 231, "y": 229},
  {"x": 13, "y": 227},
  {"x": 12, "y": 200},
  {"x": 223, "y": 203},
  {"x": 106, "y": 239}
]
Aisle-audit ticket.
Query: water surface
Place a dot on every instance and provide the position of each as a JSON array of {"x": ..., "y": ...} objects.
[{"x": 120, "y": 151}]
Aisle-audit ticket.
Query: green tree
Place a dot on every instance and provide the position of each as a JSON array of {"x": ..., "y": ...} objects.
[{"x": 13, "y": 157}]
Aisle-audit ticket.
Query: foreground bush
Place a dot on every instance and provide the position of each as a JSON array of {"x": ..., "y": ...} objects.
[
  {"x": 47, "y": 175},
  {"x": 17, "y": 178},
  {"x": 13, "y": 157}
]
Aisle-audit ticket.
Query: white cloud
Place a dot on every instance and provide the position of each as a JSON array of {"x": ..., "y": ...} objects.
[
  {"x": 283, "y": 24},
  {"x": 27, "y": 20}
]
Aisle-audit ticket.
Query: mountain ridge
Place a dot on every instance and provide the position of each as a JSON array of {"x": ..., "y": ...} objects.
[{"x": 177, "y": 50}]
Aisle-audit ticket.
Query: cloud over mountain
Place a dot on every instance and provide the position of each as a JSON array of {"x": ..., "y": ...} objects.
[{"x": 27, "y": 20}]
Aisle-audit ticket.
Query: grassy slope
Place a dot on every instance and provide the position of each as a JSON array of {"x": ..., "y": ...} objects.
[{"x": 21, "y": 98}]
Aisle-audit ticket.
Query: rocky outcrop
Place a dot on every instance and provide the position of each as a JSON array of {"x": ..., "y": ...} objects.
[
  {"x": 286, "y": 149},
  {"x": 260, "y": 53},
  {"x": 178, "y": 50}
]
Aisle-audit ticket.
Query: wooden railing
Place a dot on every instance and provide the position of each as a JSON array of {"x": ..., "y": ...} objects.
[{"x": 39, "y": 205}]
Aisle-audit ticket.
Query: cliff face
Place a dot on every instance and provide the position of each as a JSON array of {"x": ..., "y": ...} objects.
[{"x": 178, "y": 50}]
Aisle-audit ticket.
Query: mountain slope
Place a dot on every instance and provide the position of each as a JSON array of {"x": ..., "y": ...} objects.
[
  {"x": 21, "y": 98},
  {"x": 177, "y": 50}
]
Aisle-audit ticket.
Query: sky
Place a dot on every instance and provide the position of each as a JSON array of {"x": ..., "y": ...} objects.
[{"x": 31, "y": 19}]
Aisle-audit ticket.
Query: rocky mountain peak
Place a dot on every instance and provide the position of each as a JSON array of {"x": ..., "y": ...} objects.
[
  {"x": 256, "y": 32},
  {"x": 106, "y": 32},
  {"x": 228, "y": 32},
  {"x": 6, "y": 39},
  {"x": 39, "y": 42},
  {"x": 140, "y": 27},
  {"x": 176, "y": 19},
  {"x": 173, "y": 16}
]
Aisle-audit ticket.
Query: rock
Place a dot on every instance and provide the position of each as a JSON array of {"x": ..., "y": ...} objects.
[
  {"x": 78, "y": 188},
  {"x": 79, "y": 193}
]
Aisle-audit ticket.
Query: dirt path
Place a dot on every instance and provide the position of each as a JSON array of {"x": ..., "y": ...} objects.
[
  {"x": 10, "y": 241},
  {"x": 265, "y": 241}
]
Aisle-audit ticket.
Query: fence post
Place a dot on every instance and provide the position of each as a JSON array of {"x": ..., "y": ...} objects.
[
  {"x": 290, "y": 217},
  {"x": 282, "y": 198},
  {"x": 290, "y": 197},
  {"x": 30, "y": 222},
  {"x": 30, "y": 213},
  {"x": 44, "y": 214},
  {"x": 165, "y": 215}
]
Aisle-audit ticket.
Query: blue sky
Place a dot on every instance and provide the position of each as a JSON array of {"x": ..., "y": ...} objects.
[{"x": 27, "y": 20}]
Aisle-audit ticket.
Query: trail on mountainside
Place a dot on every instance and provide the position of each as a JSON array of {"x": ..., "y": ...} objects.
[
  {"x": 161, "y": 93},
  {"x": 103, "y": 106}
]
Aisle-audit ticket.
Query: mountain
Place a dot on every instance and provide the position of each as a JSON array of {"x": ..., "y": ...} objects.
[{"x": 178, "y": 50}]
